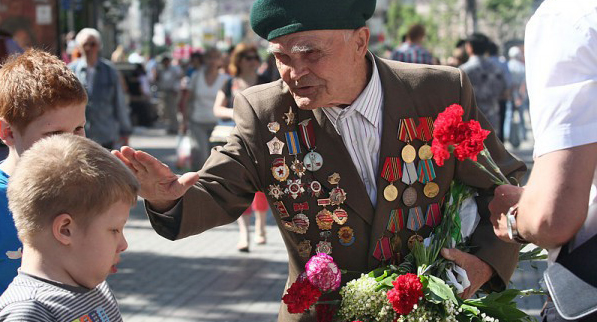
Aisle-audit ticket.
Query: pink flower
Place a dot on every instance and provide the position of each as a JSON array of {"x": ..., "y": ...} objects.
[
  {"x": 406, "y": 293},
  {"x": 323, "y": 273}
]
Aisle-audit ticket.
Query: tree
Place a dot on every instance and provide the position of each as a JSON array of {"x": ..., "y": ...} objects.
[{"x": 507, "y": 17}]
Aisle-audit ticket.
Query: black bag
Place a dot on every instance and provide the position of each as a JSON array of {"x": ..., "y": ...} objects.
[{"x": 572, "y": 280}]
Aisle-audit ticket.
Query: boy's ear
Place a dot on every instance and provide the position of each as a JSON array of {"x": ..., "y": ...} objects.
[
  {"x": 62, "y": 228},
  {"x": 6, "y": 133}
]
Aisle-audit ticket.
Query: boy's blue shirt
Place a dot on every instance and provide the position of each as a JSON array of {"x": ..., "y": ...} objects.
[{"x": 10, "y": 245}]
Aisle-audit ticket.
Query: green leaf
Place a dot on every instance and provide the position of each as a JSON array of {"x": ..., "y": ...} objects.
[
  {"x": 500, "y": 306},
  {"x": 438, "y": 291}
]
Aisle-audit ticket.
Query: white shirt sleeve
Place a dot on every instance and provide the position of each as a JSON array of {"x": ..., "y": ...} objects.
[{"x": 561, "y": 51}]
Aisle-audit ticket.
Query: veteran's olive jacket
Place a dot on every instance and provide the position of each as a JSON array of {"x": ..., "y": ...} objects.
[{"x": 236, "y": 171}]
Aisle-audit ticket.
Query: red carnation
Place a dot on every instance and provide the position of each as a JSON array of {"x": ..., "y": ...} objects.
[
  {"x": 451, "y": 133},
  {"x": 300, "y": 296},
  {"x": 406, "y": 293}
]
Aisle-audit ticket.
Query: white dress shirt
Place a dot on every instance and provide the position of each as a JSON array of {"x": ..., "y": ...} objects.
[
  {"x": 360, "y": 127},
  {"x": 561, "y": 47}
]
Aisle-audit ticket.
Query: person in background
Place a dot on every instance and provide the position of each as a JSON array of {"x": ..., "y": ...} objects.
[
  {"x": 557, "y": 209},
  {"x": 487, "y": 79},
  {"x": 139, "y": 92},
  {"x": 39, "y": 96},
  {"x": 199, "y": 118},
  {"x": 168, "y": 77},
  {"x": 268, "y": 68},
  {"x": 505, "y": 98},
  {"x": 412, "y": 50},
  {"x": 7, "y": 46},
  {"x": 108, "y": 120},
  {"x": 244, "y": 62},
  {"x": 520, "y": 97}
]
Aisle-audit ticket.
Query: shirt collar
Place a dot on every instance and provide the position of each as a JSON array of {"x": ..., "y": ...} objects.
[{"x": 362, "y": 104}]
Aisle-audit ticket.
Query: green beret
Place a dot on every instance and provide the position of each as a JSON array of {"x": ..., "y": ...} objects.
[{"x": 274, "y": 18}]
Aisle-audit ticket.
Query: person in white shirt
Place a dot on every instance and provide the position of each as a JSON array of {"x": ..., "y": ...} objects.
[
  {"x": 200, "y": 119},
  {"x": 558, "y": 206}
]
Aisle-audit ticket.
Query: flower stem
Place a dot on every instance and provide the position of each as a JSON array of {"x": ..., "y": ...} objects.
[{"x": 497, "y": 176}]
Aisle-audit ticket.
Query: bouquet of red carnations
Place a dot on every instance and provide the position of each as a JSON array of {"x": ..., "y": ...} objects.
[{"x": 424, "y": 286}]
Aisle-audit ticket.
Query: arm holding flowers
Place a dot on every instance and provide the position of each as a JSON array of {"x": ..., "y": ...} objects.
[{"x": 501, "y": 256}]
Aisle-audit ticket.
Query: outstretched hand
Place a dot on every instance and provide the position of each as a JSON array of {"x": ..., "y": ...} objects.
[
  {"x": 158, "y": 184},
  {"x": 478, "y": 271}
]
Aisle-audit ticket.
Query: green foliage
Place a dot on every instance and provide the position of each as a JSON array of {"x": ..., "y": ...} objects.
[
  {"x": 508, "y": 17},
  {"x": 436, "y": 290}
]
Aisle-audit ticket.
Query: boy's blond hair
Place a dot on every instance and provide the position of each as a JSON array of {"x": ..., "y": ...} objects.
[
  {"x": 66, "y": 174},
  {"x": 33, "y": 83}
]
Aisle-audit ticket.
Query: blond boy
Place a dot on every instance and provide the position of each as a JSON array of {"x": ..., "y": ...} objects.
[
  {"x": 70, "y": 200},
  {"x": 39, "y": 96}
]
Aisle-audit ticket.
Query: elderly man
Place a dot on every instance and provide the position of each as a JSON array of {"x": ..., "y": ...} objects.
[
  {"x": 108, "y": 120},
  {"x": 327, "y": 190}
]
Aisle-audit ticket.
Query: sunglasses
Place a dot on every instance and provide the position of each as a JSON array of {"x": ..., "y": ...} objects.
[
  {"x": 251, "y": 57},
  {"x": 90, "y": 44}
]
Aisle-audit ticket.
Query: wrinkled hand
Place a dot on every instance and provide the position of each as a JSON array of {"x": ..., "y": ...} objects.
[
  {"x": 158, "y": 184},
  {"x": 505, "y": 196},
  {"x": 478, "y": 271}
]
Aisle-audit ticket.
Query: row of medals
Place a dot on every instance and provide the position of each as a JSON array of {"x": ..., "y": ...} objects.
[
  {"x": 409, "y": 195},
  {"x": 294, "y": 188}
]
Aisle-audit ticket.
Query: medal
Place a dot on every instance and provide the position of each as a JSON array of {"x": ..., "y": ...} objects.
[
  {"x": 275, "y": 146},
  {"x": 396, "y": 243},
  {"x": 415, "y": 219},
  {"x": 407, "y": 133},
  {"x": 396, "y": 222},
  {"x": 340, "y": 216},
  {"x": 275, "y": 191},
  {"x": 293, "y": 143},
  {"x": 324, "y": 247},
  {"x": 298, "y": 168},
  {"x": 433, "y": 215},
  {"x": 425, "y": 152},
  {"x": 304, "y": 248},
  {"x": 324, "y": 219},
  {"x": 383, "y": 249},
  {"x": 409, "y": 196},
  {"x": 346, "y": 236},
  {"x": 413, "y": 239},
  {"x": 301, "y": 223},
  {"x": 281, "y": 209},
  {"x": 273, "y": 127},
  {"x": 391, "y": 171},
  {"x": 334, "y": 178},
  {"x": 337, "y": 196},
  {"x": 426, "y": 171},
  {"x": 289, "y": 117},
  {"x": 315, "y": 188},
  {"x": 425, "y": 133},
  {"x": 431, "y": 189},
  {"x": 408, "y": 153},
  {"x": 295, "y": 188},
  {"x": 280, "y": 170},
  {"x": 313, "y": 160}
]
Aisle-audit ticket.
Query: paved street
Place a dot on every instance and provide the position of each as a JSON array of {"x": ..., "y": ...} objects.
[{"x": 204, "y": 278}]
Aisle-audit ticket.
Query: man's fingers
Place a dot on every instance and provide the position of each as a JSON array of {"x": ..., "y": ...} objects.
[
  {"x": 452, "y": 255},
  {"x": 188, "y": 179}
]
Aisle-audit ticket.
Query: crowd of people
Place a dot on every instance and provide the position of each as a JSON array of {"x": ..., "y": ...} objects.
[{"x": 65, "y": 199}]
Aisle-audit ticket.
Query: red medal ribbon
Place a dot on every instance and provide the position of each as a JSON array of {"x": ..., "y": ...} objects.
[
  {"x": 391, "y": 169},
  {"x": 425, "y": 129},
  {"x": 433, "y": 215},
  {"x": 407, "y": 130},
  {"x": 300, "y": 206},
  {"x": 307, "y": 134},
  {"x": 324, "y": 202},
  {"x": 396, "y": 222}
]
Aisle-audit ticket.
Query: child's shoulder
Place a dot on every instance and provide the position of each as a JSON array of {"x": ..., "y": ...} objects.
[{"x": 21, "y": 300}]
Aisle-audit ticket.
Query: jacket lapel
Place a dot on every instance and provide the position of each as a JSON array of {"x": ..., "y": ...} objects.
[{"x": 397, "y": 104}]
